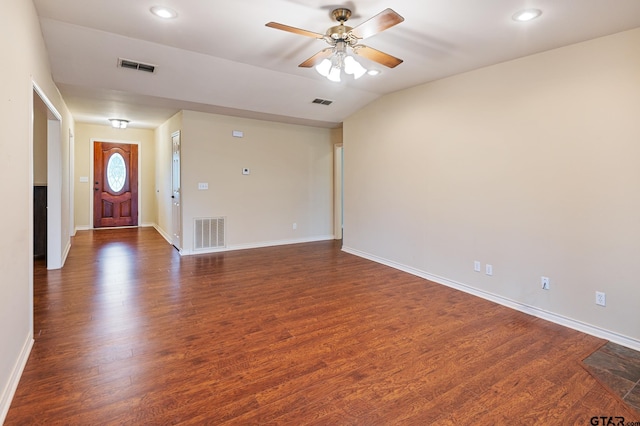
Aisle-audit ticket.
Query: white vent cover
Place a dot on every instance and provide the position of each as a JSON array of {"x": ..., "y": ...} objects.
[{"x": 208, "y": 232}]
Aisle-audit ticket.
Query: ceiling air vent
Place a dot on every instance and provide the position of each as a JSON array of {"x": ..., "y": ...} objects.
[
  {"x": 322, "y": 101},
  {"x": 133, "y": 65}
]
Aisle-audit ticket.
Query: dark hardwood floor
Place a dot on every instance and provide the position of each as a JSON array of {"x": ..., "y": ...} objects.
[{"x": 128, "y": 332}]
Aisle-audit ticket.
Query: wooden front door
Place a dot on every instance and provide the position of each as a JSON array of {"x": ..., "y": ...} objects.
[{"x": 115, "y": 189}]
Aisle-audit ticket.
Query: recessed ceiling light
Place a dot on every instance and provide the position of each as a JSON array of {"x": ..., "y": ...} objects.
[
  {"x": 373, "y": 72},
  {"x": 164, "y": 12},
  {"x": 526, "y": 15}
]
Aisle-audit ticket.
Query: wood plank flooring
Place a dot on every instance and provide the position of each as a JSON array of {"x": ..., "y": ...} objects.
[{"x": 130, "y": 333}]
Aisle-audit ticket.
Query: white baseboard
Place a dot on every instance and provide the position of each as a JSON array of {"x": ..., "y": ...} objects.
[
  {"x": 89, "y": 228},
  {"x": 528, "y": 309},
  {"x": 66, "y": 252},
  {"x": 161, "y": 232},
  {"x": 259, "y": 245},
  {"x": 280, "y": 242},
  {"x": 10, "y": 388}
]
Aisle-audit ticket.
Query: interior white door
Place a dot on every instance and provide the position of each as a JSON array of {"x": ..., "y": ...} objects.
[{"x": 175, "y": 194}]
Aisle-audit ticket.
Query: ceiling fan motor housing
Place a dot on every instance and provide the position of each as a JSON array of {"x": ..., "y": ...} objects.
[
  {"x": 339, "y": 37},
  {"x": 340, "y": 32},
  {"x": 341, "y": 14}
]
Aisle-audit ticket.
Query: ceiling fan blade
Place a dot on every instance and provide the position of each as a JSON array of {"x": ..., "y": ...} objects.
[
  {"x": 383, "y": 20},
  {"x": 377, "y": 56},
  {"x": 294, "y": 30},
  {"x": 318, "y": 57}
]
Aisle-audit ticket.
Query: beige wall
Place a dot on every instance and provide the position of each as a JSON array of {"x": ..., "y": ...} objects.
[
  {"x": 84, "y": 136},
  {"x": 336, "y": 136},
  {"x": 530, "y": 165},
  {"x": 21, "y": 43},
  {"x": 290, "y": 181}
]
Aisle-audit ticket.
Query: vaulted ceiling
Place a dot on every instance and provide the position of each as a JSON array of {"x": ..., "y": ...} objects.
[{"x": 218, "y": 56}]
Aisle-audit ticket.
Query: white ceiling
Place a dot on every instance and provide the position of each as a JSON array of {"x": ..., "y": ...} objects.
[{"x": 218, "y": 56}]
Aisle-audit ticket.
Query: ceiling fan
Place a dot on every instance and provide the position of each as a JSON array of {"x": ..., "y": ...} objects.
[{"x": 330, "y": 61}]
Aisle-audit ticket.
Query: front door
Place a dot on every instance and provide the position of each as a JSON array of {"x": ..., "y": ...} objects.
[{"x": 115, "y": 189}]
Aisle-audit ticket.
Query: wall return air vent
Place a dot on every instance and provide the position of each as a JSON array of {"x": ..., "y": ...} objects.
[
  {"x": 208, "y": 233},
  {"x": 135, "y": 65}
]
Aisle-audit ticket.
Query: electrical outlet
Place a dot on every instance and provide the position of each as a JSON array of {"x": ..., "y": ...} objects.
[
  {"x": 476, "y": 266},
  {"x": 295, "y": 226},
  {"x": 488, "y": 269},
  {"x": 544, "y": 281},
  {"x": 601, "y": 298}
]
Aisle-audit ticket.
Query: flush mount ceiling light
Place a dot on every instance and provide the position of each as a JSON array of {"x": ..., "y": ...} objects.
[
  {"x": 164, "y": 12},
  {"x": 526, "y": 15},
  {"x": 119, "y": 123}
]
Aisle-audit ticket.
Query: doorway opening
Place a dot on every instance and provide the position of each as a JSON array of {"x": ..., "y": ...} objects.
[
  {"x": 176, "y": 215},
  {"x": 338, "y": 179},
  {"x": 47, "y": 180}
]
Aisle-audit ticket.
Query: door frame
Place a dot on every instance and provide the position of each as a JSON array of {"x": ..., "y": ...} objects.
[
  {"x": 55, "y": 255},
  {"x": 176, "y": 221},
  {"x": 72, "y": 165},
  {"x": 338, "y": 191},
  {"x": 91, "y": 150}
]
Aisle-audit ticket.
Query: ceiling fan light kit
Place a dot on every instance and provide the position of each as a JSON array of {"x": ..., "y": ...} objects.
[
  {"x": 351, "y": 66},
  {"x": 332, "y": 68},
  {"x": 332, "y": 61}
]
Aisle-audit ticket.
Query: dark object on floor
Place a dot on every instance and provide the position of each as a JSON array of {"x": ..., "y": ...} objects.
[{"x": 617, "y": 368}]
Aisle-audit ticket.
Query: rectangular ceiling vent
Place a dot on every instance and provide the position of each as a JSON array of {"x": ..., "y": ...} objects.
[
  {"x": 133, "y": 65},
  {"x": 209, "y": 232},
  {"x": 322, "y": 101}
]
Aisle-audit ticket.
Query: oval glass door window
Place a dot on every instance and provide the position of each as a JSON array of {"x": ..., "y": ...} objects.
[{"x": 116, "y": 172}]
